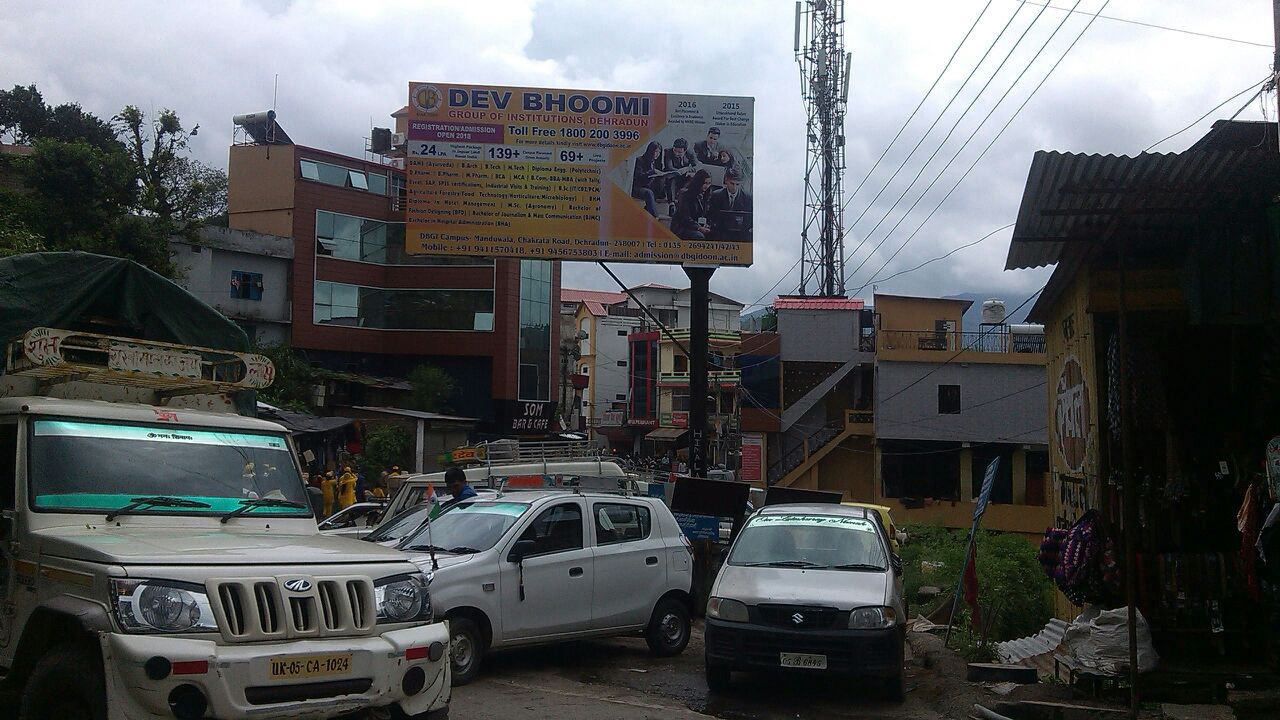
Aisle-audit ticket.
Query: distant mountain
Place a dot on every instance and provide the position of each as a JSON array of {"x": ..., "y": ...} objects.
[{"x": 973, "y": 318}]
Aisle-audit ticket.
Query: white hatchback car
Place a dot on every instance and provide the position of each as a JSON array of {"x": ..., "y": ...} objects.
[{"x": 546, "y": 566}]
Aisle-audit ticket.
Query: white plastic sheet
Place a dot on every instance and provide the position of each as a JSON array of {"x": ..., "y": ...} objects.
[{"x": 1099, "y": 639}]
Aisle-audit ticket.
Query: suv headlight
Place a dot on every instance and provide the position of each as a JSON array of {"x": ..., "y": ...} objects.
[
  {"x": 161, "y": 606},
  {"x": 403, "y": 598},
  {"x": 872, "y": 618},
  {"x": 727, "y": 610}
]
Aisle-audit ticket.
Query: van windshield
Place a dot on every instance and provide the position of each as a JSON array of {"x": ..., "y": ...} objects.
[
  {"x": 810, "y": 541},
  {"x": 98, "y": 466},
  {"x": 467, "y": 527}
]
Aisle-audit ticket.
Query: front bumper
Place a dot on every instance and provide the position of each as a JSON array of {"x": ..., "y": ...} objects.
[
  {"x": 237, "y": 682},
  {"x": 749, "y": 646}
]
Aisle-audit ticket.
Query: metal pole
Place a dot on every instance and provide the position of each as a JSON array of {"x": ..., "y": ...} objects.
[
  {"x": 955, "y": 597},
  {"x": 1129, "y": 480},
  {"x": 699, "y": 341},
  {"x": 1275, "y": 63}
]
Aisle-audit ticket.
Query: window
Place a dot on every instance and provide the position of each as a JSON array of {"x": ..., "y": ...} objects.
[
  {"x": 919, "y": 469},
  {"x": 681, "y": 364},
  {"x": 395, "y": 309},
  {"x": 620, "y": 396},
  {"x": 535, "y": 330},
  {"x": 377, "y": 184},
  {"x": 622, "y": 333},
  {"x": 586, "y": 370},
  {"x": 948, "y": 399},
  {"x": 310, "y": 171},
  {"x": 557, "y": 529},
  {"x": 617, "y": 523},
  {"x": 680, "y": 401},
  {"x": 622, "y": 363},
  {"x": 357, "y": 180},
  {"x": 334, "y": 174},
  {"x": 246, "y": 285},
  {"x": 8, "y": 467}
]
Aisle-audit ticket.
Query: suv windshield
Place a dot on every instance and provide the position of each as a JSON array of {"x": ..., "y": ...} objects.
[
  {"x": 400, "y": 524},
  {"x": 83, "y": 466},
  {"x": 476, "y": 526},
  {"x": 810, "y": 541}
]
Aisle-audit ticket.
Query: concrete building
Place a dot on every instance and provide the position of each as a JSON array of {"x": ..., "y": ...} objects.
[
  {"x": 243, "y": 274},
  {"x": 361, "y": 304},
  {"x": 602, "y": 323},
  {"x": 917, "y": 409}
]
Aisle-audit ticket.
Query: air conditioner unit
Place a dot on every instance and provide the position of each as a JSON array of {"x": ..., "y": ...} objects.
[
  {"x": 398, "y": 139},
  {"x": 397, "y": 163}
]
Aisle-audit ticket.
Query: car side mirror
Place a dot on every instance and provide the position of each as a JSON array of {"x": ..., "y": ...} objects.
[
  {"x": 895, "y": 560},
  {"x": 521, "y": 550}
]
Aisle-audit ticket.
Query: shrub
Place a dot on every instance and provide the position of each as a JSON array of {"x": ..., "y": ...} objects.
[{"x": 1010, "y": 581}]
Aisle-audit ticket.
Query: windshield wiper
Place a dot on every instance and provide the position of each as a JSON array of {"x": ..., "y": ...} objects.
[
  {"x": 857, "y": 566},
  {"x": 786, "y": 563},
  {"x": 462, "y": 550},
  {"x": 247, "y": 505},
  {"x": 428, "y": 548},
  {"x": 156, "y": 501}
]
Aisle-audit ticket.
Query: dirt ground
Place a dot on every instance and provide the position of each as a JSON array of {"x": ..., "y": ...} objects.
[{"x": 618, "y": 678}]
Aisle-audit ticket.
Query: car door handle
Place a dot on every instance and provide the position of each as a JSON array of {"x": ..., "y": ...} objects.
[
  {"x": 651, "y": 560},
  {"x": 575, "y": 572}
]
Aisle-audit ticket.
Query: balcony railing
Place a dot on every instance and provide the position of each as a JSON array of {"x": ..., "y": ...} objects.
[
  {"x": 940, "y": 341},
  {"x": 719, "y": 377}
]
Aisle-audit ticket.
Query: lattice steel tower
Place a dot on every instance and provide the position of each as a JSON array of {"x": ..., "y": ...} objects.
[{"x": 824, "y": 85}]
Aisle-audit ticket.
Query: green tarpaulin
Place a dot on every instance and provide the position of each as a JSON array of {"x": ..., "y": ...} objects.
[{"x": 112, "y": 296}]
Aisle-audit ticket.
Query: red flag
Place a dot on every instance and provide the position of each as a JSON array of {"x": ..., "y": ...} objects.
[{"x": 970, "y": 582}]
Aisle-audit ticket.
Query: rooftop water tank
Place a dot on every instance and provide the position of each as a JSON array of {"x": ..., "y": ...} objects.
[{"x": 993, "y": 312}]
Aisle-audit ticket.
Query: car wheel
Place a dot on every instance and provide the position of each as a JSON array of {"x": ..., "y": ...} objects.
[
  {"x": 717, "y": 677},
  {"x": 66, "y": 684},
  {"x": 466, "y": 648},
  {"x": 668, "y": 631}
]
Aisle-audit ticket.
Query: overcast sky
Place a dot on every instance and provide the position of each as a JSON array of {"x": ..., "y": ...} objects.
[{"x": 345, "y": 65}]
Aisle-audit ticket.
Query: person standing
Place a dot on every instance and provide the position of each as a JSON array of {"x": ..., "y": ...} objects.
[
  {"x": 346, "y": 489},
  {"x": 329, "y": 486}
]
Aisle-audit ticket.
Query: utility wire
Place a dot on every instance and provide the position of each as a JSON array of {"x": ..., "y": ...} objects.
[
  {"x": 963, "y": 145},
  {"x": 1198, "y": 120},
  {"x": 922, "y": 100},
  {"x": 932, "y": 125},
  {"x": 876, "y": 281},
  {"x": 1184, "y": 31},
  {"x": 992, "y": 143}
]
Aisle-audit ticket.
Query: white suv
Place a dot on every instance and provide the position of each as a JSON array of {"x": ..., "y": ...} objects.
[{"x": 546, "y": 566}]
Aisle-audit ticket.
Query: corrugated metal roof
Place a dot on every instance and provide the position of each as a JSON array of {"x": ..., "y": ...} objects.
[
  {"x": 817, "y": 303},
  {"x": 1074, "y": 197},
  {"x": 601, "y": 296},
  {"x": 1023, "y": 649}
]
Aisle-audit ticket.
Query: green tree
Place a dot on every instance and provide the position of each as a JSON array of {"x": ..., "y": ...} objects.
[
  {"x": 385, "y": 445},
  {"x": 175, "y": 188},
  {"x": 294, "y": 378},
  {"x": 432, "y": 389}
]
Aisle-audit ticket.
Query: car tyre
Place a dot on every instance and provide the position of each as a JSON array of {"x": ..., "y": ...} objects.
[
  {"x": 896, "y": 684},
  {"x": 669, "y": 627},
  {"x": 717, "y": 677},
  {"x": 441, "y": 714},
  {"x": 466, "y": 649},
  {"x": 65, "y": 684}
]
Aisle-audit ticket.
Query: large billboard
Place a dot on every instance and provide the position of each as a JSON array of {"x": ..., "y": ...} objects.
[{"x": 579, "y": 175}]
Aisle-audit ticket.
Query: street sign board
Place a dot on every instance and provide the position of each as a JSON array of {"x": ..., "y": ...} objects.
[
  {"x": 984, "y": 497},
  {"x": 578, "y": 175},
  {"x": 698, "y": 527}
]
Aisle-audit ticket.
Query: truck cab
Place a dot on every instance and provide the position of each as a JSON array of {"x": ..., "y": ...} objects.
[{"x": 159, "y": 560}]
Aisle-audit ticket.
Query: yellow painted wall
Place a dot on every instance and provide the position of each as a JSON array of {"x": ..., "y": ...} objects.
[
  {"x": 911, "y": 313},
  {"x": 260, "y": 178},
  {"x": 1069, "y": 334}
]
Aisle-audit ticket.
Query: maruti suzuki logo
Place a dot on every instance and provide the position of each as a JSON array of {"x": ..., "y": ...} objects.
[
  {"x": 298, "y": 585},
  {"x": 797, "y": 619}
]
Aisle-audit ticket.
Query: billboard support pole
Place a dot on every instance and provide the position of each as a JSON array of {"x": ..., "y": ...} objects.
[{"x": 699, "y": 342}]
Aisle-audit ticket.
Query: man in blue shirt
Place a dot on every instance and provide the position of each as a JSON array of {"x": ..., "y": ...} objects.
[{"x": 456, "y": 481}]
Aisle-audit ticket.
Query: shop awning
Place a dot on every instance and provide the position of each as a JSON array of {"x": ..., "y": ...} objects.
[
  {"x": 300, "y": 423},
  {"x": 666, "y": 433}
]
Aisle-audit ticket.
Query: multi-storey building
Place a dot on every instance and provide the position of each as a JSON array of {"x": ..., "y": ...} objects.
[
  {"x": 361, "y": 304},
  {"x": 902, "y": 405}
]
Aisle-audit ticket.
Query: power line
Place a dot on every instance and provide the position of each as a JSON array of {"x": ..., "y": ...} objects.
[
  {"x": 992, "y": 143},
  {"x": 1215, "y": 109},
  {"x": 875, "y": 281},
  {"x": 963, "y": 145},
  {"x": 1154, "y": 26},
  {"x": 934, "y": 124},
  {"x": 922, "y": 100}
]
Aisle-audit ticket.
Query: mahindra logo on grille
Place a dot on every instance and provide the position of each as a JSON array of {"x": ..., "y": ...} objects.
[
  {"x": 797, "y": 619},
  {"x": 298, "y": 585}
]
